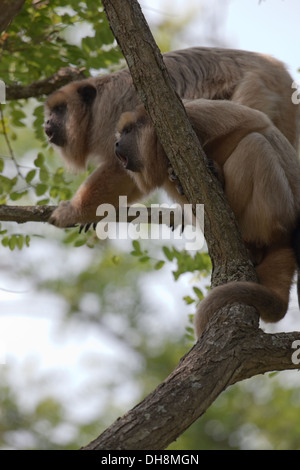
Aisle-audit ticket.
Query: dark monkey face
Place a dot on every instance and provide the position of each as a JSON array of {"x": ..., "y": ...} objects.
[
  {"x": 139, "y": 150},
  {"x": 127, "y": 148},
  {"x": 132, "y": 143},
  {"x": 55, "y": 127},
  {"x": 65, "y": 110}
]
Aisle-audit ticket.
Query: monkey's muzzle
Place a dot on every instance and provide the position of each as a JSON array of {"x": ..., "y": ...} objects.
[
  {"x": 56, "y": 135},
  {"x": 49, "y": 131},
  {"x": 121, "y": 157}
]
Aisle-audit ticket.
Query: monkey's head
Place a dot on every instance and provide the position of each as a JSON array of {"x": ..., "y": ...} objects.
[
  {"x": 68, "y": 122},
  {"x": 138, "y": 149}
]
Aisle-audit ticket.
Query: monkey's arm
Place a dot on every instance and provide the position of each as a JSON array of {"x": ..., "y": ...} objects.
[
  {"x": 221, "y": 125},
  {"x": 104, "y": 185}
]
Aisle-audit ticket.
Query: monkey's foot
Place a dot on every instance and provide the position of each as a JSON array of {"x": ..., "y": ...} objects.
[{"x": 174, "y": 178}]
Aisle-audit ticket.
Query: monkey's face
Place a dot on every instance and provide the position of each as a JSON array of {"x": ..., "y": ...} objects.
[
  {"x": 127, "y": 147},
  {"x": 68, "y": 114},
  {"x": 55, "y": 126},
  {"x": 139, "y": 150}
]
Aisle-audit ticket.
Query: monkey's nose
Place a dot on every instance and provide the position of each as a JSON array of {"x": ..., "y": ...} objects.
[
  {"x": 48, "y": 129},
  {"x": 121, "y": 157}
]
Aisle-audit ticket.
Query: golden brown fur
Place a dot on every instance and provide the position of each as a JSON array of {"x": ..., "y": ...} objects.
[
  {"x": 261, "y": 173},
  {"x": 81, "y": 117}
]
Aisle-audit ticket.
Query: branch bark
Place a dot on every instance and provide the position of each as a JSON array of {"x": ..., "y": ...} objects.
[
  {"x": 23, "y": 214},
  {"x": 216, "y": 362},
  {"x": 46, "y": 86}
]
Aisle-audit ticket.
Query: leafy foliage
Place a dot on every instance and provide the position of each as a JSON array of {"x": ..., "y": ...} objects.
[{"x": 44, "y": 37}]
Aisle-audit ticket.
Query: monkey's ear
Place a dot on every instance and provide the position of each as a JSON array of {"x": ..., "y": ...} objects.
[{"x": 87, "y": 93}]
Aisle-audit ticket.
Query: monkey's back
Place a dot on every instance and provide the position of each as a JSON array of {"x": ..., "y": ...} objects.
[{"x": 249, "y": 78}]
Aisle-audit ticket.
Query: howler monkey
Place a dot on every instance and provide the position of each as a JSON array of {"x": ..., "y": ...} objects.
[
  {"x": 261, "y": 174},
  {"x": 81, "y": 117}
]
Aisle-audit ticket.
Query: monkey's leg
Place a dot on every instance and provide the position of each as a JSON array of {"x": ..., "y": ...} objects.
[
  {"x": 103, "y": 186},
  {"x": 252, "y": 172},
  {"x": 276, "y": 272}
]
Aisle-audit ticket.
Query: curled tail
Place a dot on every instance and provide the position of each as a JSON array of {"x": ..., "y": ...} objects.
[
  {"x": 270, "y": 307},
  {"x": 270, "y": 297}
]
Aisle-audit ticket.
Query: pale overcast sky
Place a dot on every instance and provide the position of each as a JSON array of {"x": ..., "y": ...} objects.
[{"x": 268, "y": 26}]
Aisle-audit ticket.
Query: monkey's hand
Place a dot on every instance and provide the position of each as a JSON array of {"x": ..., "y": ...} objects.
[{"x": 65, "y": 215}]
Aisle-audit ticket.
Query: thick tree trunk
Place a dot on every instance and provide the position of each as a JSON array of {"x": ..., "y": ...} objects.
[
  {"x": 8, "y": 10},
  {"x": 224, "y": 356}
]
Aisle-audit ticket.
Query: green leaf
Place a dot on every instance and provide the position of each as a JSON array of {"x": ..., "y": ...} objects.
[
  {"x": 144, "y": 259},
  {"x": 41, "y": 189},
  {"x": 20, "y": 241},
  {"x": 80, "y": 242},
  {"x": 137, "y": 248},
  {"x": 40, "y": 160},
  {"x": 159, "y": 265},
  {"x": 12, "y": 242},
  {"x": 16, "y": 116},
  {"x": 44, "y": 175},
  {"x": 198, "y": 292},
  {"x": 30, "y": 175},
  {"x": 15, "y": 196},
  {"x": 71, "y": 237},
  {"x": 188, "y": 300},
  {"x": 58, "y": 178},
  {"x": 42, "y": 202},
  {"x": 5, "y": 241},
  {"x": 168, "y": 254}
]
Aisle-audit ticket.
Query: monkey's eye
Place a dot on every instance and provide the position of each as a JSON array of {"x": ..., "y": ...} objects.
[
  {"x": 127, "y": 129},
  {"x": 59, "y": 109}
]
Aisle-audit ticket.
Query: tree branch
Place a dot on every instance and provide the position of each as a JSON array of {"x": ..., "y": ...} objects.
[
  {"x": 224, "y": 356},
  {"x": 23, "y": 214},
  {"x": 46, "y": 86}
]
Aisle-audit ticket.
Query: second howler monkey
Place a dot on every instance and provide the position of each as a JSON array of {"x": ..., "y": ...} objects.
[{"x": 261, "y": 175}]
